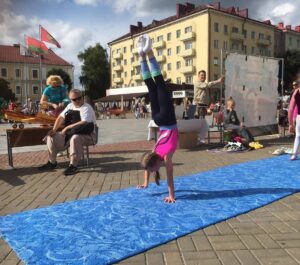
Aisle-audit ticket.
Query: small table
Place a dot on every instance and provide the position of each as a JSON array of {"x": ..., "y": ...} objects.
[{"x": 24, "y": 137}]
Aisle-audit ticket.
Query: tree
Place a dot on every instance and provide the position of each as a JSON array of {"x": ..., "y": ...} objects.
[
  {"x": 291, "y": 66},
  {"x": 5, "y": 91},
  {"x": 63, "y": 74},
  {"x": 95, "y": 77}
]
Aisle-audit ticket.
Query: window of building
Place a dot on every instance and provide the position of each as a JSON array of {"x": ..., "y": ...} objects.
[
  {"x": 235, "y": 30},
  {"x": 35, "y": 90},
  {"x": 216, "y": 44},
  {"x": 160, "y": 38},
  {"x": 216, "y": 77},
  {"x": 252, "y": 50},
  {"x": 235, "y": 46},
  {"x": 298, "y": 43},
  {"x": 113, "y": 64},
  {"x": 188, "y": 29},
  {"x": 18, "y": 90},
  {"x": 178, "y": 80},
  {"x": 124, "y": 49},
  {"x": 169, "y": 66},
  {"x": 18, "y": 72},
  {"x": 138, "y": 70},
  {"x": 125, "y": 74},
  {"x": 132, "y": 72},
  {"x": 188, "y": 45},
  {"x": 119, "y": 50},
  {"x": 35, "y": 73},
  {"x": 160, "y": 52},
  {"x": 216, "y": 60},
  {"x": 290, "y": 41},
  {"x": 169, "y": 52},
  {"x": 3, "y": 72},
  {"x": 169, "y": 35},
  {"x": 245, "y": 33},
  {"x": 269, "y": 37},
  {"x": 225, "y": 45},
  {"x": 131, "y": 47},
  {"x": 261, "y": 36},
  {"x": 216, "y": 27},
  {"x": 114, "y": 76},
  {"x": 188, "y": 62},
  {"x": 125, "y": 62},
  {"x": 178, "y": 65},
  {"x": 132, "y": 59},
  {"x": 189, "y": 79},
  {"x": 177, "y": 49},
  {"x": 225, "y": 29},
  {"x": 245, "y": 48},
  {"x": 152, "y": 40},
  {"x": 252, "y": 35},
  {"x": 178, "y": 32}
]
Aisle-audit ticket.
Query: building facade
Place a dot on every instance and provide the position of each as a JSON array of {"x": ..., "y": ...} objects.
[
  {"x": 26, "y": 74},
  {"x": 196, "y": 38}
]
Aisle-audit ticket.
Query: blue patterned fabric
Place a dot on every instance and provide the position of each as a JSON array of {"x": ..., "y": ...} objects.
[{"x": 110, "y": 227}]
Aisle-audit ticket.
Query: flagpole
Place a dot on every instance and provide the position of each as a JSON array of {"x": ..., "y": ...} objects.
[
  {"x": 25, "y": 73},
  {"x": 41, "y": 77}
]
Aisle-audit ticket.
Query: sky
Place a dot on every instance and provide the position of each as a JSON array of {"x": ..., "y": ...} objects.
[{"x": 78, "y": 24}]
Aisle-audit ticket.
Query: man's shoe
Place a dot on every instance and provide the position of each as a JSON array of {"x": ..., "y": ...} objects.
[
  {"x": 147, "y": 44},
  {"x": 48, "y": 166},
  {"x": 140, "y": 45},
  {"x": 71, "y": 170}
]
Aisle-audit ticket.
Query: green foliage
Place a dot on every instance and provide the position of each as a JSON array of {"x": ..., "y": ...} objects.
[
  {"x": 291, "y": 66},
  {"x": 63, "y": 74},
  {"x": 95, "y": 77},
  {"x": 5, "y": 92}
]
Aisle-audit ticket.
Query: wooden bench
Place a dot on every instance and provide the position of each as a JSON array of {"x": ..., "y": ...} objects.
[{"x": 24, "y": 137}]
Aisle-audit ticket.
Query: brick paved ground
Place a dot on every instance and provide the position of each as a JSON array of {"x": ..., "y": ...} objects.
[{"x": 269, "y": 235}]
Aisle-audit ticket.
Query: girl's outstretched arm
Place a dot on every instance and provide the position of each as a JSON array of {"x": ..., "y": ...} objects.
[
  {"x": 146, "y": 180},
  {"x": 169, "y": 169}
]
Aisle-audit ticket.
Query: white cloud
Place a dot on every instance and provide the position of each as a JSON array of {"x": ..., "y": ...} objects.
[
  {"x": 87, "y": 2},
  {"x": 283, "y": 10}
]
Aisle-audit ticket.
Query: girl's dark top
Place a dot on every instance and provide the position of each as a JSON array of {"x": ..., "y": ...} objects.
[{"x": 230, "y": 117}]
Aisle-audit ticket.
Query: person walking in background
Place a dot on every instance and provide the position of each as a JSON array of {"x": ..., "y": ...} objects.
[
  {"x": 55, "y": 95},
  {"x": 163, "y": 114},
  {"x": 295, "y": 102}
]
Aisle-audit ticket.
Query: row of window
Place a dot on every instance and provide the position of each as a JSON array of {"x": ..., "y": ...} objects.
[
  {"x": 243, "y": 32},
  {"x": 35, "y": 90},
  {"x": 292, "y": 44},
  {"x": 158, "y": 39},
  {"x": 18, "y": 73}
]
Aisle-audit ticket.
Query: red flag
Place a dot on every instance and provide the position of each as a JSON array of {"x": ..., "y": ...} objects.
[
  {"x": 47, "y": 37},
  {"x": 36, "y": 45}
]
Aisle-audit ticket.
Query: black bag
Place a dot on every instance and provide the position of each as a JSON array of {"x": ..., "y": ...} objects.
[
  {"x": 86, "y": 128},
  {"x": 72, "y": 116}
]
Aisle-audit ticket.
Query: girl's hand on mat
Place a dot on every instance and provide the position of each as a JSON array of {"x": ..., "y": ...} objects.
[
  {"x": 144, "y": 186},
  {"x": 169, "y": 200}
]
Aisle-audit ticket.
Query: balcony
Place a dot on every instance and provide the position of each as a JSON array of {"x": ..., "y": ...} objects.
[
  {"x": 118, "y": 80},
  {"x": 137, "y": 77},
  {"x": 159, "y": 44},
  {"x": 188, "y": 36},
  {"x": 118, "y": 68},
  {"x": 188, "y": 53},
  {"x": 188, "y": 70},
  {"x": 237, "y": 36},
  {"x": 118, "y": 56},
  {"x": 136, "y": 63},
  {"x": 160, "y": 58},
  {"x": 263, "y": 42}
]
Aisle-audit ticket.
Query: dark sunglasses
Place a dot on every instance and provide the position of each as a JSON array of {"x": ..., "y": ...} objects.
[{"x": 76, "y": 99}]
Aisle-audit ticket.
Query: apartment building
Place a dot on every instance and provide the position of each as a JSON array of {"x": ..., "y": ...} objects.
[
  {"x": 196, "y": 38},
  {"x": 26, "y": 74}
]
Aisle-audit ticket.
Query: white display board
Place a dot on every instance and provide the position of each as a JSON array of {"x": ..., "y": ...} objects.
[{"x": 252, "y": 82}]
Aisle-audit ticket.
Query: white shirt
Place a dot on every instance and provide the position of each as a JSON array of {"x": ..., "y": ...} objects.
[{"x": 86, "y": 112}]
